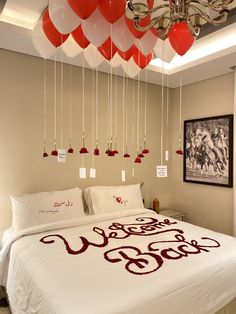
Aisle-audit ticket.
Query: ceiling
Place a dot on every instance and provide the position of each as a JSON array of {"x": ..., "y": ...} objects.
[{"x": 213, "y": 54}]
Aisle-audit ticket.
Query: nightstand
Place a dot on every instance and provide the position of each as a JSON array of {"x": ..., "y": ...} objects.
[{"x": 173, "y": 214}]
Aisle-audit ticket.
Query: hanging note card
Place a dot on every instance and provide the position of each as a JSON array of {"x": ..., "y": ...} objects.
[
  {"x": 161, "y": 171},
  {"x": 92, "y": 173},
  {"x": 123, "y": 175},
  {"x": 82, "y": 173},
  {"x": 61, "y": 157},
  {"x": 166, "y": 155}
]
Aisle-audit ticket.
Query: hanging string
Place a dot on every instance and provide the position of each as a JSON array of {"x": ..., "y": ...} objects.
[
  {"x": 133, "y": 123},
  {"x": 138, "y": 159},
  {"x": 116, "y": 100},
  {"x": 44, "y": 109},
  {"x": 126, "y": 121},
  {"x": 111, "y": 96},
  {"x": 108, "y": 113},
  {"x": 145, "y": 150},
  {"x": 83, "y": 150},
  {"x": 54, "y": 152},
  {"x": 93, "y": 113},
  {"x": 123, "y": 115},
  {"x": 70, "y": 150},
  {"x": 162, "y": 104},
  {"x": 96, "y": 105},
  {"x": 61, "y": 113},
  {"x": 167, "y": 115},
  {"x": 180, "y": 112}
]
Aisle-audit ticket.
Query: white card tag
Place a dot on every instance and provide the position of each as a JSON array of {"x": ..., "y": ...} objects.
[
  {"x": 61, "y": 157},
  {"x": 92, "y": 173},
  {"x": 161, "y": 171},
  {"x": 82, "y": 173},
  {"x": 166, "y": 155},
  {"x": 132, "y": 172},
  {"x": 123, "y": 175}
]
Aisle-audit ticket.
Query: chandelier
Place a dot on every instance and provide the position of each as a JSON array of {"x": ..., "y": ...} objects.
[{"x": 165, "y": 16}]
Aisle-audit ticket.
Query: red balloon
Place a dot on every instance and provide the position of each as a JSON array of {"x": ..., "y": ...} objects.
[
  {"x": 155, "y": 31},
  {"x": 127, "y": 54},
  {"x": 138, "y": 34},
  {"x": 108, "y": 49},
  {"x": 56, "y": 38},
  {"x": 180, "y": 37},
  {"x": 83, "y": 8},
  {"x": 80, "y": 38},
  {"x": 112, "y": 10},
  {"x": 141, "y": 60}
]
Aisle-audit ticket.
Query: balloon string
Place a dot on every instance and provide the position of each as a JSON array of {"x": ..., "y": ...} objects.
[
  {"x": 111, "y": 93},
  {"x": 108, "y": 108},
  {"x": 116, "y": 100},
  {"x": 123, "y": 114},
  {"x": 93, "y": 113},
  {"x": 167, "y": 114},
  {"x": 133, "y": 116},
  {"x": 138, "y": 107},
  {"x": 180, "y": 111},
  {"x": 61, "y": 113},
  {"x": 70, "y": 101},
  {"x": 97, "y": 101},
  {"x": 145, "y": 108},
  {"x": 55, "y": 101},
  {"x": 126, "y": 115},
  {"x": 162, "y": 103},
  {"x": 45, "y": 105},
  {"x": 83, "y": 99}
]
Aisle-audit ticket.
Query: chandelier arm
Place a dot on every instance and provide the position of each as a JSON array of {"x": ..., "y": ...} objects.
[
  {"x": 194, "y": 29},
  {"x": 211, "y": 5},
  {"x": 218, "y": 20}
]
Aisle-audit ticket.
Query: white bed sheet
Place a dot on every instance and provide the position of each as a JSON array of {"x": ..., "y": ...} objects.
[{"x": 44, "y": 279}]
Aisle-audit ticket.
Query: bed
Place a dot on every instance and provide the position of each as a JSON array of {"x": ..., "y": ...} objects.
[{"x": 132, "y": 261}]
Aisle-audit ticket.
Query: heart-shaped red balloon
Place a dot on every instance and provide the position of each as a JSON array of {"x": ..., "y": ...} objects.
[
  {"x": 56, "y": 38},
  {"x": 80, "y": 38},
  {"x": 83, "y": 8},
  {"x": 112, "y": 10},
  {"x": 108, "y": 49},
  {"x": 180, "y": 37},
  {"x": 141, "y": 60},
  {"x": 127, "y": 54}
]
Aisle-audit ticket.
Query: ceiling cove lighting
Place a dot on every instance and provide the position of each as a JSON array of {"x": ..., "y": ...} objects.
[{"x": 178, "y": 20}]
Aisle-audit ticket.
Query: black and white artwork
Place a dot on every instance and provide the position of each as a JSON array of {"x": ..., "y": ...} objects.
[{"x": 208, "y": 151}]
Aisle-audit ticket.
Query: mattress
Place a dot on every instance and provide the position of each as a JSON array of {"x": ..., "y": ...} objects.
[{"x": 130, "y": 262}]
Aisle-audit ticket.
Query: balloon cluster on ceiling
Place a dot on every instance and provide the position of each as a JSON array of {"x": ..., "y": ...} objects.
[{"x": 102, "y": 26}]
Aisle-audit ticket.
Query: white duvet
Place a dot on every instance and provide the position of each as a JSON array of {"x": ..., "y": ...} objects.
[{"x": 132, "y": 262}]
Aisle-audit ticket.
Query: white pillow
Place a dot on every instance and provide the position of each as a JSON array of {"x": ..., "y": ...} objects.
[
  {"x": 41, "y": 208},
  {"x": 101, "y": 199}
]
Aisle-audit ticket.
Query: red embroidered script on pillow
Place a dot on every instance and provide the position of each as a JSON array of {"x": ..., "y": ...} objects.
[{"x": 140, "y": 262}]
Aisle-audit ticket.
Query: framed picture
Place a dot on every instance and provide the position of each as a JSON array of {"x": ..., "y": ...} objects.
[{"x": 208, "y": 151}]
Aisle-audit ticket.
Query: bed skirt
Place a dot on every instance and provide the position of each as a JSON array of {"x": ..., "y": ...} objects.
[{"x": 230, "y": 308}]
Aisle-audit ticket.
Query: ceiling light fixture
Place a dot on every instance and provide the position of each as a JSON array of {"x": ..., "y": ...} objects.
[{"x": 178, "y": 19}]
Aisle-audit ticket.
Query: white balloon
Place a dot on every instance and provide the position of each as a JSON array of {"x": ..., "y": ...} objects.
[
  {"x": 96, "y": 28},
  {"x": 131, "y": 68},
  {"x": 92, "y": 56},
  {"x": 71, "y": 48},
  {"x": 164, "y": 50},
  {"x": 121, "y": 36},
  {"x": 41, "y": 43},
  {"x": 62, "y": 16},
  {"x": 116, "y": 61},
  {"x": 146, "y": 43}
]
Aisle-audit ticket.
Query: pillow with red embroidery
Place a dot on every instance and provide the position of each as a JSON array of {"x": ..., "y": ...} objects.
[
  {"x": 41, "y": 208},
  {"x": 102, "y": 199}
]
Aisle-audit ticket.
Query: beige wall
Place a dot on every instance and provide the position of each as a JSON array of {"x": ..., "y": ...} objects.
[
  {"x": 22, "y": 168},
  {"x": 207, "y": 206}
]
